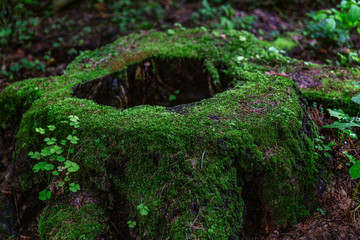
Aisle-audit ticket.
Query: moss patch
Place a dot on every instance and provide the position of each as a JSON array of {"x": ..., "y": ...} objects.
[
  {"x": 66, "y": 222},
  {"x": 333, "y": 87}
]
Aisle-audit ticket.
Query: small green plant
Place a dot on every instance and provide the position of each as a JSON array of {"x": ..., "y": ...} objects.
[
  {"x": 55, "y": 157},
  {"x": 345, "y": 126},
  {"x": 321, "y": 211},
  {"x": 24, "y": 64},
  {"x": 322, "y": 147},
  {"x": 352, "y": 57},
  {"x": 144, "y": 210},
  {"x": 131, "y": 224},
  {"x": 222, "y": 16}
]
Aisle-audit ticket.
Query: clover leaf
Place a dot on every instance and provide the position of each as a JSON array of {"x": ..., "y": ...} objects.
[
  {"x": 71, "y": 166},
  {"x": 144, "y": 210},
  {"x": 56, "y": 149},
  {"x": 51, "y": 127},
  {"x": 60, "y": 158},
  {"x": 73, "y": 118},
  {"x": 46, "y": 152},
  {"x": 35, "y": 155},
  {"x": 50, "y": 141},
  {"x": 44, "y": 195},
  {"x": 131, "y": 224},
  {"x": 74, "y": 187},
  {"x": 39, "y": 166},
  {"x": 73, "y": 139},
  {"x": 40, "y": 130}
]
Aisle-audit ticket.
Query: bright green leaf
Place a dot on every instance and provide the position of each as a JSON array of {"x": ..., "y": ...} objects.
[
  {"x": 350, "y": 157},
  {"x": 172, "y": 98},
  {"x": 49, "y": 167},
  {"x": 351, "y": 134},
  {"x": 355, "y": 170},
  {"x": 51, "y": 127},
  {"x": 73, "y": 118},
  {"x": 319, "y": 147},
  {"x": 46, "y": 152},
  {"x": 171, "y": 32},
  {"x": 39, "y": 166},
  {"x": 330, "y": 25},
  {"x": 71, "y": 166},
  {"x": 356, "y": 98},
  {"x": 60, "y": 158},
  {"x": 44, "y": 195},
  {"x": 50, "y": 141},
  {"x": 40, "y": 130},
  {"x": 338, "y": 113},
  {"x": 73, "y": 139},
  {"x": 342, "y": 125},
  {"x": 354, "y": 14}
]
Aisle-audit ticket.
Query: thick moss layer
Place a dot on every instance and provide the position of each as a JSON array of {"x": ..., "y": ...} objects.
[
  {"x": 66, "y": 222},
  {"x": 337, "y": 88},
  {"x": 333, "y": 87},
  {"x": 194, "y": 169}
]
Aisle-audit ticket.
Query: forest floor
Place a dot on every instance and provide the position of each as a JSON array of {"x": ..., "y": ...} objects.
[{"x": 58, "y": 38}]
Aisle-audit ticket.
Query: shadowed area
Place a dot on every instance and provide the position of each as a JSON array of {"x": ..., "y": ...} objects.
[{"x": 154, "y": 81}]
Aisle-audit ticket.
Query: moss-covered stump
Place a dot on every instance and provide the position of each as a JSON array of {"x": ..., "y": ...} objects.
[
  {"x": 333, "y": 87},
  {"x": 196, "y": 140}
]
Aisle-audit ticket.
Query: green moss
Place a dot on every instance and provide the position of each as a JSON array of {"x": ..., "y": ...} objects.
[
  {"x": 284, "y": 43},
  {"x": 66, "y": 222},
  {"x": 332, "y": 87},
  {"x": 190, "y": 169}
]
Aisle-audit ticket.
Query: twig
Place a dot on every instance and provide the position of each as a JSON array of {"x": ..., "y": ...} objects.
[
  {"x": 196, "y": 217},
  {"x": 202, "y": 159},
  {"x": 17, "y": 210}
]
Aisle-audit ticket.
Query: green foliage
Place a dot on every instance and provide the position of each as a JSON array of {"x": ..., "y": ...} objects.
[
  {"x": 132, "y": 14},
  {"x": 222, "y": 16},
  {"x": 52, "y": 158},
  {"x": 345, "y": 128},
  {"x": 332, "y": 26},
  {"x": 23, "y": 65},
  {"x": 323, "y": 148}
]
